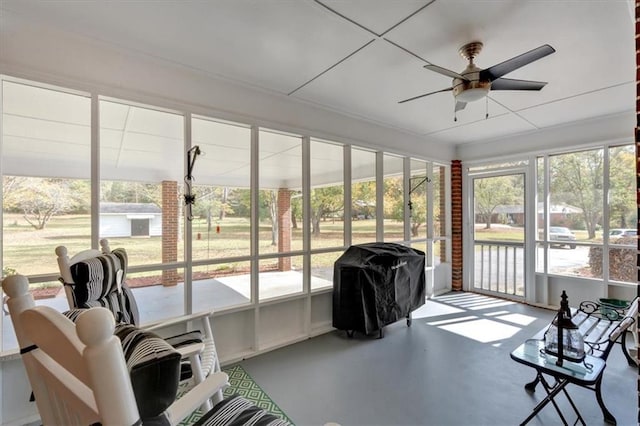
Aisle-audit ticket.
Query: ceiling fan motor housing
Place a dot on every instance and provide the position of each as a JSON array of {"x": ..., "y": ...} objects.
[{"x": 471, "y": 89}]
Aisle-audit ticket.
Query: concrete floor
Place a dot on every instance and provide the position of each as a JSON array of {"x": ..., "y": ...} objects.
[{"x": 451, "y": 367}]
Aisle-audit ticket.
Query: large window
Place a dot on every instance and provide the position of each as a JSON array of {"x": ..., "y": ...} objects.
[
  {"x": 46, "y": 157},
  {"x": 363, "y": 196},
  {"x": 221, "y": 223},
  {"x": 327, "y": 202},
  {"x": 280, "y": 213},
  {"x": 393, "y": 198},
  {"x": 327, "y": 194},
  {"x": 440, "y": 221},
  {"x": 418, "y": 184},
  {"x": 623, "y": 217},
  {"x": 575, "y": 212},
  {"x": 280, "y": 201},
  {"x": 141, "y": 163},
  {"x": 270, "y": 206},
  {"x": 591, "y": 210}
]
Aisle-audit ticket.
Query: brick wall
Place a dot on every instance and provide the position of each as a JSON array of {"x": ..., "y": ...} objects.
[
  {"x": 456, "y": 225},
  {"x": 284, "y": 228},
  {"x": 170, "y": 225}
]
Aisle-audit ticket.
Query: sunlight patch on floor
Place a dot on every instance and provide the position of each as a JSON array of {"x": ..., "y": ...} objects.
[
  {"x": 434, "y": 309},
  {"x": 495, "y": 304},
  {"x": 519, "y": 319},
  {"x": 482, "y": 318},
  {"x": 452, "y": 320},
  {"x": 482, "y": 330},
  {"x": 473, "y": 301},
  {"x": 496, "y": 313}
]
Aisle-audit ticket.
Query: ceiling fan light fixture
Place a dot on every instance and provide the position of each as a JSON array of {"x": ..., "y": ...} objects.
[{"x": 474, "y": 94}]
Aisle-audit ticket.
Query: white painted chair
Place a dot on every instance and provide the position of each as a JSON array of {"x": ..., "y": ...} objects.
[
  {"x": 78, "y": 371},
  {"x": 104, "y": 284}
]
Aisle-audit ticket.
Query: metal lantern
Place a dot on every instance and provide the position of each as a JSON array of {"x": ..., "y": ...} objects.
[{"x": 563, "y": 339}]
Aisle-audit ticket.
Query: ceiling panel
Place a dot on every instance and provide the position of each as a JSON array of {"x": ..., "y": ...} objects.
[
  {"x": 377, "y": 16},
  {"x": 484, "y": 129},
  {"x": 273, "y": 45},
  {"x": 360, "y": 57},
  {"x": 597, "y": 103}
]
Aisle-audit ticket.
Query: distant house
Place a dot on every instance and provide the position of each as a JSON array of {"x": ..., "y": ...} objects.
[
  {"x": 130, "y": 220},
  {"x": 559, "y": 214},
  {"x": 514, "y": 214}
]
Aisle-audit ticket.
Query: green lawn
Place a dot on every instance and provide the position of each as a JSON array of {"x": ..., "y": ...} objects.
[{"x": 32, "y": 252}]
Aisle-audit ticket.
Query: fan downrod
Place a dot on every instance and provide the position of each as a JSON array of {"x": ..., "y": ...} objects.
[{"x": 470, "y": 50}]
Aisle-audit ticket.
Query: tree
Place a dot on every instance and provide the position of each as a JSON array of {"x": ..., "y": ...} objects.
[
  {"x": 240, "y": 202},
  {"x": 363, "y": 195},
  {"x": 325, "y": 201},
  {"x": 418, "y": 203},
  {"x": 212, "y": 201},
  {"x": 393, "y": 198},
  {"x": 9, "y": 185},
  {"x": 622, "y": 201},
  {"x": 40, "y": 199},
  {"x": 577, "y": 179},
  {"x": 491, "y": 192},
  {"x": 131, "y": 192},
  {"x": 296, "y": 208},
  {"x": 268, "y": 209}
]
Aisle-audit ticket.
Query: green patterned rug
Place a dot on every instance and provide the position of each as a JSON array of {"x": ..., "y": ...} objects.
[{"x": 240, "y": 383}]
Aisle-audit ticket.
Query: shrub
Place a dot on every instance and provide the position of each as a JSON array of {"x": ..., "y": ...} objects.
[{"x": 622, "y": 261}]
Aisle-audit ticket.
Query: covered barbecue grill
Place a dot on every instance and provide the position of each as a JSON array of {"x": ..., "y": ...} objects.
[{"x": 376, "y": 284}]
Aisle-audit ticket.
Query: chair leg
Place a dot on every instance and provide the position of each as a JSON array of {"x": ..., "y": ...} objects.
[
  {"x": 198, "y": 377},
  {"x": 608, "y": 417},
  {"x": 632, "y": 362},
  {"x": 531, "y": 386}
]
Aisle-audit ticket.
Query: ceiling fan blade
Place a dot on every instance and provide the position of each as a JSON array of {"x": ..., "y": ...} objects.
[
  {"x": 445, "y": 71},
  {"x": 459, "y": 106},
  {"x": 498, "y": 70},
  {"x": 426, "y": 94},
  {"x": 511, "y": 84}
]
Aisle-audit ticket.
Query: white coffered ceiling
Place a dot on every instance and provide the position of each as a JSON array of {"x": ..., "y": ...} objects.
[{"x": 360, "y": 57}]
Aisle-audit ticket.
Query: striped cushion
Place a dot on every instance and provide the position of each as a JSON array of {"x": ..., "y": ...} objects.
[
  {"x": 154, "y": 367},
  {"x": 101, "y": 281},
  {"x": 73, "y": 314},
  {"x": 236, "y": 411}
]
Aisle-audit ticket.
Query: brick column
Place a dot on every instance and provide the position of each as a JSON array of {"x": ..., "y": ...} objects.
[
  {"x": 284, "y": 228},
  {"x": 170, "y": 230},
  {"x": 456, "y": 225}
]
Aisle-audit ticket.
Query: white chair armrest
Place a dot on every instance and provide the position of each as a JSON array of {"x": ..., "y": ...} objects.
[
  {"x": 196, "y": 396},
  {"x": 188, "y": 350},
  {"x": 156, "y": 325}
]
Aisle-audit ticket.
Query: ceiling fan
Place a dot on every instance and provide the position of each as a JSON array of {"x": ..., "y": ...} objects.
[{"x": 475, "y": 83}]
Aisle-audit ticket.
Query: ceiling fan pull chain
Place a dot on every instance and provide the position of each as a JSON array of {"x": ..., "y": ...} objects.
[{"x": 486, "y": 107}]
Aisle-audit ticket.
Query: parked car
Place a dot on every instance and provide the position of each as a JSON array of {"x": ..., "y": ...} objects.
[
  {"x": 561, "y": 236},
  {"x": 616, "y": 234}
]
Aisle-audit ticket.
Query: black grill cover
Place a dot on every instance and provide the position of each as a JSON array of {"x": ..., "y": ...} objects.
[{"x": 376, "y": 284}]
